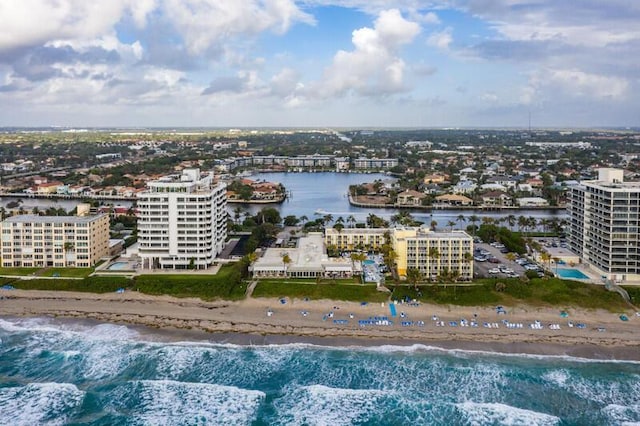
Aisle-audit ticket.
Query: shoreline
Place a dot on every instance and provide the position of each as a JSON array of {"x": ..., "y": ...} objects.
[{"x": 246, "y": 323}]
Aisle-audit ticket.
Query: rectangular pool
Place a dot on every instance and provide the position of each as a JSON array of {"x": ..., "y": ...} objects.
[{"x": 571, "y": 273}]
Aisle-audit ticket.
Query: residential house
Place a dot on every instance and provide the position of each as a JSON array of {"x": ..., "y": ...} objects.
[
  {"x": 410, "y": 198},
  {"x": 453, "y": 200},
  {"x": 464, "y": 187},
  {"x": 496, "y": 198},
  {"x": 532, "y": 202}
]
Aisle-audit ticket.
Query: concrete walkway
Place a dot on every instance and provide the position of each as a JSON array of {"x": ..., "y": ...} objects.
[{"x": 252, "y": 285}]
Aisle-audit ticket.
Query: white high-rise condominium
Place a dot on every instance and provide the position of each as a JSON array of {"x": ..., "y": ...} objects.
[
  {"x": 182, "y": 221},
  {"x": 604, "y": 225}
]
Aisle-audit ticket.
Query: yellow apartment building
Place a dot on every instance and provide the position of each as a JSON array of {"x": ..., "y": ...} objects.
[{"x": 55, "y": 241}]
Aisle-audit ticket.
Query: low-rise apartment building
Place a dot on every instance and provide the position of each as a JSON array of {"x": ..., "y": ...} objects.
[
  {"x": 54, "y": 241},
  {"x": 430, "y": 252},
  {"x": 375, "y": 163},
  {"x": 433, "y": 253},
  {"x": 348, "y": 239}
]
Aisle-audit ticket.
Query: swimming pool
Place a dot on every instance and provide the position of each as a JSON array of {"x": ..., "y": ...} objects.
[
  {"x": 119, "y": 266},
  {"x": 368, "y": 262},
  {"x": 572, "y": 274}
]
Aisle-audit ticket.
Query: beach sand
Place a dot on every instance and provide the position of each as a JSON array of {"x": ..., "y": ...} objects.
[{"x": 247, "y": 322}]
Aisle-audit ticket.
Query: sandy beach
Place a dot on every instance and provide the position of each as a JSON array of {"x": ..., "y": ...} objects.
[{"x": 248, "y": 321}]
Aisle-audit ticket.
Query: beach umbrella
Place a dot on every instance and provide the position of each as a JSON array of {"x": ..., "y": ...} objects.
[{"x": 564, "y": 314}]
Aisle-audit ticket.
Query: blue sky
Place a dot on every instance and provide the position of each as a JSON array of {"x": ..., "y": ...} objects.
[{"x": 320, "y": 63}]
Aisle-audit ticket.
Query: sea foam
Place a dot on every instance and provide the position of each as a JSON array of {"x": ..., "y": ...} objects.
[
  {"x": 318, "y": 405},
  {"x": 167, "y": 402},
  {"x": 39, "y": 404},
  {"x": 506, "y": 415}
]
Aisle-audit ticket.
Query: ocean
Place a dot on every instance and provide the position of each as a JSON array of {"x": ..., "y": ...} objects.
[{"x": 60, "y": 372}]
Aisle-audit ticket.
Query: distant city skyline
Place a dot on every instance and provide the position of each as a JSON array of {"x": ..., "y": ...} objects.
[{"x": 319, "y": 63}]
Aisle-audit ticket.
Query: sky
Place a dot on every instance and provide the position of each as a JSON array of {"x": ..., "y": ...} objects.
[{"x": 320, "y": 63}]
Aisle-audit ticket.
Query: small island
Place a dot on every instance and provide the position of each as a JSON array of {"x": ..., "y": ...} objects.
[{"x": 247, "y": 191}]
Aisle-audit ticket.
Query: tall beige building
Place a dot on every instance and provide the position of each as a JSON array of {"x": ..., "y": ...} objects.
[{"x": 56, "y": 241}]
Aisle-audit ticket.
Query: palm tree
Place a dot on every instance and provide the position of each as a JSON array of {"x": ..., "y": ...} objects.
[
  {"x": 286, "y": 260},
  {"x": 237, "y": 213},
  {"x": 433, "y": 254},
  {"x": 460, "y": 218},
  {"x": 351, "y": 221},
  {"x": 413, "y": 276},
  {"x": 511, "y": 221},
  {"x": 340, "y": 219},
  {"x": 451, "y": 224},
  {"x": 433, "y": 225},
  {"x": 546, "y": 258},
  {"x": 67, "y": 247},
  {"x": 327, "y": 218},
  {"x": 522, "y": 223},
  {"x": 3, "y": 213},
  {"x": 474, "y": 219},
  {"x": 358, "y": 257}
]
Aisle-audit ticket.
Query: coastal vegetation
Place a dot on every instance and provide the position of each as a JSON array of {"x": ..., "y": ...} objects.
[
  {"x": 515, "y": 291},
  {"x": 231, "y": 284},
  {"x": 313, "y": 291}
]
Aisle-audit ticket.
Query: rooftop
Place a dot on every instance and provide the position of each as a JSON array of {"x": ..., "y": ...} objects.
[{"x": 32, "y": 218}]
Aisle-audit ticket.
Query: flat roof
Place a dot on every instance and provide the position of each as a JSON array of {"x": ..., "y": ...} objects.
[{"x": 33, "y": 218}]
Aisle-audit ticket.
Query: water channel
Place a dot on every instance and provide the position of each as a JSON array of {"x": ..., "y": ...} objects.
[{"x": 315, "y": 194}]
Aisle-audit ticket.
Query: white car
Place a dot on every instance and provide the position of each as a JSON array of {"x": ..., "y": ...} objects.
[{"x": 494, "y": 271}]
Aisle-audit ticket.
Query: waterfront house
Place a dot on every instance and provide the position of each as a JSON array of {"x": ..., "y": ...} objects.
[
  {"x": 532, "y": 202},
  {"x": 453, "y": 200},
  {"x": 410, "y": 198},
  {"x": 496, "y": 198}
]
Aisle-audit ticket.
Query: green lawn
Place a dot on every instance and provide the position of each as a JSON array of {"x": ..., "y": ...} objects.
[
  {"x": 18, "y": 271},
  {"x": 298, "y": 290},
  {"x": 538, "y": 292},
  {"x": 224, "y": 285},
  {"x": 89, "y": 284},
  {"x": 634, "y": 293},
  {"x": 67, "y": 272}
]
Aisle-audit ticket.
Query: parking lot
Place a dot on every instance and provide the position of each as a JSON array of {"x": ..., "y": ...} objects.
[{"x": 496, "y": 263}]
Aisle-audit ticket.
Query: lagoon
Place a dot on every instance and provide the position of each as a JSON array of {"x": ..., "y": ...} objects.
[{"x": 315, "y": 194}]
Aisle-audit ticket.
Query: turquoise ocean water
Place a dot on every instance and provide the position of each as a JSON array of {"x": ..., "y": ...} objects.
[{"x": 62, "y": 372}]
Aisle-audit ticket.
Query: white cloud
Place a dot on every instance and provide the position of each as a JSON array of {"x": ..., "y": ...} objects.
[
  {"x": 205, "y": 23},
  {"x": 374, "y": 66},
  {"x": 586, "y": 23},
  {"x": 574, "y": 84},
  {"x": 35, "y": 22},
  {"x": 441, "y": 39},
  {"x": 430, "y": 18}
]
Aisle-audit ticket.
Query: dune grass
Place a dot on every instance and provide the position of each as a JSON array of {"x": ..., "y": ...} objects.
[
  {"x": 313, "y": 291},
  {"x": 226, "y": 284}
]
